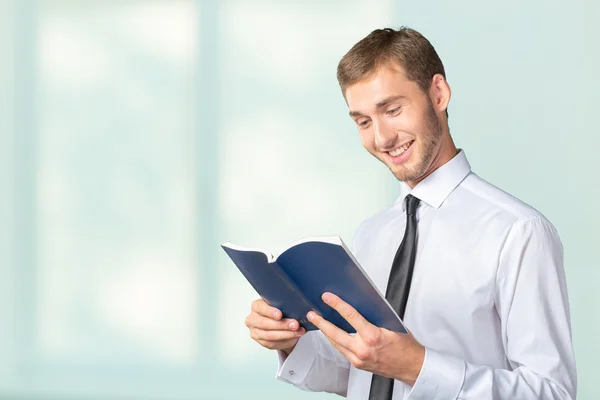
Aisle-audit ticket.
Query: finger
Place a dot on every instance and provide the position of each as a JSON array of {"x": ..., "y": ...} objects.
[
  {"x": 258, "y": 321},
  {"x": 348, "y": 312},
  {"x": 331, "y": 331},
  {"x": 287, "y": 344},
  {"x": 276, "y": 336},
  {"x": 349, "y": 355},
  {"x": 261, "y": 307},
  {"x": 347, "y": 348},
  {"x": 285, "y": 324}
]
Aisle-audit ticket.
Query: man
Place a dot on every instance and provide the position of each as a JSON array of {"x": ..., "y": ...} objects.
[{"x": 488, "y": 309}]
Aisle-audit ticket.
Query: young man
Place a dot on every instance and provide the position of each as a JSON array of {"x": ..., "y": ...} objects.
[{"x": 488, "y": 309}]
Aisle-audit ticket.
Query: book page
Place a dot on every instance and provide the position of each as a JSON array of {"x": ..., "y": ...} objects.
[
  {"x": 322, "y": 239},
  {"x": 230, "y": 245}
]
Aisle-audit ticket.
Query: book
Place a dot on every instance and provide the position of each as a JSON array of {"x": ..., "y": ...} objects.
[{"x": 295, "y": 280}]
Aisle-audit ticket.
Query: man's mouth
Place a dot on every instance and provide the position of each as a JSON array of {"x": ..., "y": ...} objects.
[{"x": 401, "y": 149}]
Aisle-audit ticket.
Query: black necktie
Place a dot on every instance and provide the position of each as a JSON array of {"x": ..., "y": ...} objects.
[{"x": 398, "y": 287}]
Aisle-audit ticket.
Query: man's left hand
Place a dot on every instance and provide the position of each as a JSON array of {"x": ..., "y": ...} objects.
[{"x": 377, "y": 350}]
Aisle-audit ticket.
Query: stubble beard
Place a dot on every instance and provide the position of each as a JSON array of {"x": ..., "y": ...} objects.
[{"x": 430, "y": 139}]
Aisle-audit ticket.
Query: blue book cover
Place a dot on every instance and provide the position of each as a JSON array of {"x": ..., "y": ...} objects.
[{"x": 294, "y": 281}]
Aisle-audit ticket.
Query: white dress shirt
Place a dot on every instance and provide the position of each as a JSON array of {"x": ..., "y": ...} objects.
[{"x": 488, "y": 298}]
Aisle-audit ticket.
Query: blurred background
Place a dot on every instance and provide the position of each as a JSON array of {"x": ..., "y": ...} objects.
[{"x": 138, "y": 135}]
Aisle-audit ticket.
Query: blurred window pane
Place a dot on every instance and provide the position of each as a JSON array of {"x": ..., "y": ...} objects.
[{"x": 115, "y": 193}]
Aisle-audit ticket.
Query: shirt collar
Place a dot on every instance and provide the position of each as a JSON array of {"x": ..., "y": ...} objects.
[{"x": 434, "y": 189}]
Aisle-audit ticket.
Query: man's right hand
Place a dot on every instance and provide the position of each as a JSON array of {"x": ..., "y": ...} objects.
[{"x": 269, "y": 330}]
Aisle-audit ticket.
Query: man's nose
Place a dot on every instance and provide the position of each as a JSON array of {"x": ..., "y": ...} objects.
[{"x": 385, "y": 136}]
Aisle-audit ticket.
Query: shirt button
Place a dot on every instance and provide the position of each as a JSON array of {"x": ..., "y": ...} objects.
[{"x": 291, "y": 372}]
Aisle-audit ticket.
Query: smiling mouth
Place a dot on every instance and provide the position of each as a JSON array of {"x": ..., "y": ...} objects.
[{"x": 401, "y": 149}]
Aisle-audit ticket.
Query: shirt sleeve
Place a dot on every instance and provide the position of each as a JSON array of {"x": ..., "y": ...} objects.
[
  {"x": 532, "y": 302},
  {"x": 315, "y": 366}
]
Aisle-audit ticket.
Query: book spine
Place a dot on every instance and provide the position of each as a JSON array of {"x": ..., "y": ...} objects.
[
  {"x": 293, "y": 287},
  {"x": 285, "y": 277}
]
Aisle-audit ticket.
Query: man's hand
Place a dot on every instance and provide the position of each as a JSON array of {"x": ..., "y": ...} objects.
[
  {"x": 269, "y": 330},
  {"x": 378, "y": 350}
]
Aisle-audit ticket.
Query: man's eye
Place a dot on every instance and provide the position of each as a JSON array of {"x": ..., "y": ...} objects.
[
  {"x": 393, "y": 111},
  {"x": 363, "y": 124}
]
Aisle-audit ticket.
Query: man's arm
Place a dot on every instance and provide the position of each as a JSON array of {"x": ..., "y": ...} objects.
[
  {"x": 306, "y": 360},
  {"x": 532, "y": 303},
  {"x": 315, "y": 365}
]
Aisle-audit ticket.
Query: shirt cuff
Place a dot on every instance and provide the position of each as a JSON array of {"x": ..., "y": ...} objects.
[
  {"x": 295, "y": 367},
  {"x": 441, "y": 378}
]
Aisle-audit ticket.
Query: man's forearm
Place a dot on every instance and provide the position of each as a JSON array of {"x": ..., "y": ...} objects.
[{"x": 448, "y": 377}]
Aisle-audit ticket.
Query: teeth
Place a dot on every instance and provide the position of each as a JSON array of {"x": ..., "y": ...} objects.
[{"x": 400, "y": 150}]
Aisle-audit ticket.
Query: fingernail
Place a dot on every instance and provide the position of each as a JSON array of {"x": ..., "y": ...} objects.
[
  {"x": 276, "y": 314},
  {"x": 326, "y": 297},
  {"x": 292, "y": 325},
  {"x": 310, "y": 316},
  {"x": 300, "y": 332}
]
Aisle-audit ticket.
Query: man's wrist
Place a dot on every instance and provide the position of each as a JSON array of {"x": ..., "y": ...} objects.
[
  {"x": 288, "y": 350},
  {"x": 416, "y": 365}
]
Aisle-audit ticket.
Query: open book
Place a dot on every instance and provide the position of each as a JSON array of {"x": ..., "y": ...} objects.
[{"x": 294, "y": 281}]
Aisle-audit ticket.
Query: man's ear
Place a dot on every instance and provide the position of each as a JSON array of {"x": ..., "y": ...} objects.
[{"x": 439, "y": 93}]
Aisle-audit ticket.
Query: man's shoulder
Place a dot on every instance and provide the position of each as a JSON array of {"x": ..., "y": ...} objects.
[{"x": 482, "y": 196}]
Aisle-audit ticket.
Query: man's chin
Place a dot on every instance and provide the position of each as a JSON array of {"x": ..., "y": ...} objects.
[
  {"x": 404, "y": 174},
  {"x": 401, "y": 175}
]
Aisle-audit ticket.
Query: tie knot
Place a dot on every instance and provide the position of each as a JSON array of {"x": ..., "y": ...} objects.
[{"x": 411, "y": 204}]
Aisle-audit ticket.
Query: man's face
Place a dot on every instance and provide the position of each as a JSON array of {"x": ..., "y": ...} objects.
[{"x": 396, "y": 121}]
